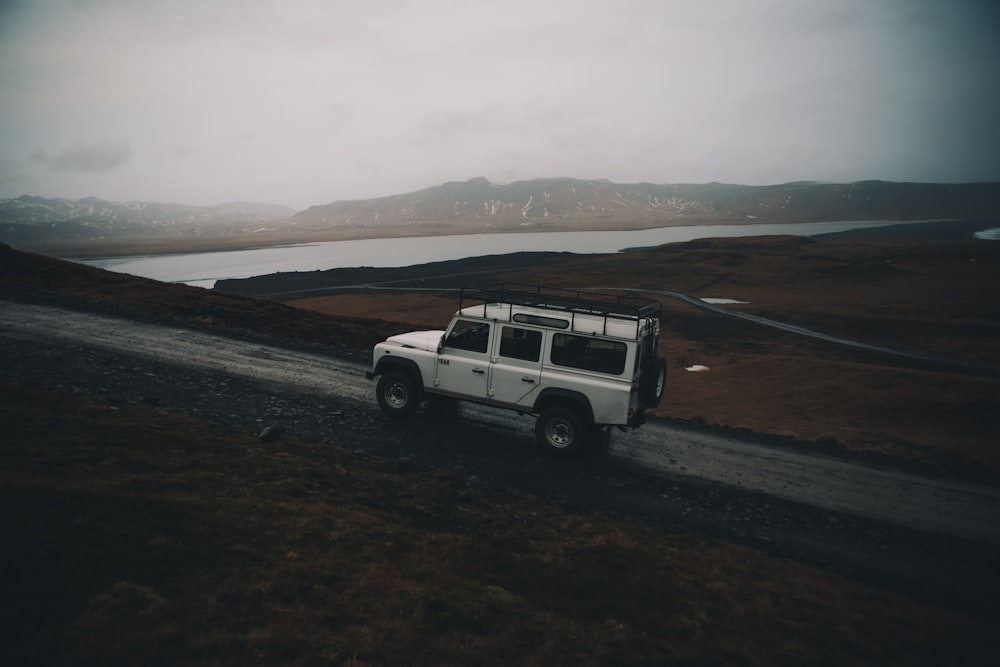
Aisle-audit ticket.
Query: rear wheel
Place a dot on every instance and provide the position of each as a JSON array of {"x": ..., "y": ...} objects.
[
  {"x": 397, "y": 394},
  {"x": 561, "y": 431}
]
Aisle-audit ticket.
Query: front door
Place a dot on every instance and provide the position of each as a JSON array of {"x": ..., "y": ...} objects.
[{"x": 464, "y": 361}]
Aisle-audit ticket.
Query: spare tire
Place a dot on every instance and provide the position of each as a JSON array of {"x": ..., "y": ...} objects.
[{"x": 653, "y": 382}]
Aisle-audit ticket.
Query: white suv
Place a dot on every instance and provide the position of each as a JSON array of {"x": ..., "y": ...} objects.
[{"x": 578, "y": 360}]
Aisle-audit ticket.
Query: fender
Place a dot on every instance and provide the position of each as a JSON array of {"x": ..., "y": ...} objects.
[
  {"x": 388, "y": 363},
  {"x": 554, "y": 395}
]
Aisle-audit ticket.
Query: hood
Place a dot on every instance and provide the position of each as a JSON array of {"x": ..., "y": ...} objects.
[{"x": 421, "y": 340}]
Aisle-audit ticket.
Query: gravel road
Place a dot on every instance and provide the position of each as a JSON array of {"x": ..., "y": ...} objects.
[{"x": 928, "y": 537}]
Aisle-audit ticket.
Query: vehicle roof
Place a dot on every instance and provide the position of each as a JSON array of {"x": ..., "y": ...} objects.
[
  {"x": 621, "y": 314},
  {"x": 572, "y": 321}
]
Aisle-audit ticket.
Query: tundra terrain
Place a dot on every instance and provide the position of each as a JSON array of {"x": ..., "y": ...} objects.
[{"x": 227, "y": 506}]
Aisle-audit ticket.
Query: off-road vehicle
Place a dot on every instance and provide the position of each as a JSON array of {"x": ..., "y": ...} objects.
[{"x": 578, "y": 360}]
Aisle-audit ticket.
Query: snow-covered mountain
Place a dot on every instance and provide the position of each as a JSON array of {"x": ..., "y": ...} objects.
[
  {"x": 544, "y": 201},
  {"x": 28, "y": 219},
  {"x": 477, "y": 205}
]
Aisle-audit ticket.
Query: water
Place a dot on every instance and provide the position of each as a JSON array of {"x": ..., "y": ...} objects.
[{"x": 202, "y": 269}]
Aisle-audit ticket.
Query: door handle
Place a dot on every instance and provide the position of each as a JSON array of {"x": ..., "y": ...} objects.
[
  {"x": 478, "y": 371},
  {"x": 528, "y": 380}
]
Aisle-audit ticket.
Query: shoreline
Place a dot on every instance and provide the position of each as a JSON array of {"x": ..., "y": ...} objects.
[{"x": 161, "y": 247}]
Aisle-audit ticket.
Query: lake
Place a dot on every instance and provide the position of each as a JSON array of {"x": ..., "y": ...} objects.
[{"x": 202, "y": 269}]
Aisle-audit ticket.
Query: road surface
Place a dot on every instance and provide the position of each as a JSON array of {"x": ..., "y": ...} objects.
[{"x": 945, "y": 506}]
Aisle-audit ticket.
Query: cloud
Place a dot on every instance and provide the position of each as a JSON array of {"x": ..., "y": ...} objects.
[
  {"x": 308, "y": 101},
  {"x": 12, "y": 173},
  {"x": 100, "y": 157}
]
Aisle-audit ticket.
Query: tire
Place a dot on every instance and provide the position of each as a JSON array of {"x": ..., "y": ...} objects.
[
  {"x": 561, "y": 431},
  {"x": 653, "y": 382},
  {"x": 397, "y": 394}
]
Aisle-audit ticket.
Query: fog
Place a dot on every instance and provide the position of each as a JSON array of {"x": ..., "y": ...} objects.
[{"x": 304, "y": 102}]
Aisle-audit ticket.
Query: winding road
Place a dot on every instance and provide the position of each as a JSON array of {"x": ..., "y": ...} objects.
[{"x": 937, "y": 505}]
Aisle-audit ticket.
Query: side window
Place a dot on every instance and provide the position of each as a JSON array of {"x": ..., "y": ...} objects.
[
  {"x": 590, "y": 354},
  {"x": 469, "y": 335},
  {"x": 542, "y": 321},
  {"x": 517, "y": 343}
]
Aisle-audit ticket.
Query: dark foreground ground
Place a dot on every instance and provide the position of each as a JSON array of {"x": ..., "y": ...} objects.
[{"x": 150, "y": 523}]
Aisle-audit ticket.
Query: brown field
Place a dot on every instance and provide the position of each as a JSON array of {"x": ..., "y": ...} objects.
[
  {"x": 911, "y": 294},
  {"x": 140, "y": 536},
  {"x": 930, "y": 297}
]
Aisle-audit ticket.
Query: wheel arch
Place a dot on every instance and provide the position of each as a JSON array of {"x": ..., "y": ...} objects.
[
  {"x": 558, "y": 396},
  {"x": 389, "y": 363}
]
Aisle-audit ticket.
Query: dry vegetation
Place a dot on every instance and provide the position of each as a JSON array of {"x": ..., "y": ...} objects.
[
  {"x": 912, "y": 295},
  {"x": 139, "y": 537},
  {"x": 135, "y": 536}
]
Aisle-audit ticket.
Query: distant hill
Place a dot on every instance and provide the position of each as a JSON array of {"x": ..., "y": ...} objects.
[
  {"x": 545, "y": 201},
  {"x": 32, "y": 220},
  {"x": 477, "y": 205}
]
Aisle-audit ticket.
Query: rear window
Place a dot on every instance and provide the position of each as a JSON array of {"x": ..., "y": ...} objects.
[{"x": 590, "y": 354}]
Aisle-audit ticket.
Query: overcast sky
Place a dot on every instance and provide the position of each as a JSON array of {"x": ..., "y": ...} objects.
[{"x": 304, "y": 102}]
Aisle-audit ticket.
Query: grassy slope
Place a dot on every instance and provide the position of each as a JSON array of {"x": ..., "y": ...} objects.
[
  {"x": 134, "y": 536},
  {"x": 137, "y": 536}
]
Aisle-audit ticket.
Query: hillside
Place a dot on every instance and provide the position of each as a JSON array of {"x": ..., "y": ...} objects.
[
  {"x": 565, "y": 203},
  {"x": 36, "y": 221},
  {"x": 144, "y": 531},
  {"x": 910, "y": 293},
  {"x": 914, "y": 294}
]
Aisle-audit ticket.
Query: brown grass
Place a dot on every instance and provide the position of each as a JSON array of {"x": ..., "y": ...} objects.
[
  {"x": 134, "y": 536},
  {"x": 922, "y": 296},
  {"x": 929, "y": 297},
  {"x": 137, "y": 537},
  {"x": 416, "y": 309}
]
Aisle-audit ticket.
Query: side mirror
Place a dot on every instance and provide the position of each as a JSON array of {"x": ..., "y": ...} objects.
[{"x": 441, "y": 344}]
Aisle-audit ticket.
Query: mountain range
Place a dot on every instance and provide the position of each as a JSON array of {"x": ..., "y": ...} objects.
[
  {"x": 543, "y": 201},
  {"x": 31, "y": 220},
  {"x": 556, "y": 204}
]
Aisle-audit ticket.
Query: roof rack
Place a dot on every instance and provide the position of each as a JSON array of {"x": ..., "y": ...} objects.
[{"x": 572, "y": 301}]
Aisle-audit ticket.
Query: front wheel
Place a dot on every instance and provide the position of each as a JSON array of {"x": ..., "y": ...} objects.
[
  {"x": 397, "y": 394},
  {"x": 561, "y": 431}
]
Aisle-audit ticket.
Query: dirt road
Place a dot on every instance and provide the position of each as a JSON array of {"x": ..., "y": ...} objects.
[{"x": 943, "y": 506}]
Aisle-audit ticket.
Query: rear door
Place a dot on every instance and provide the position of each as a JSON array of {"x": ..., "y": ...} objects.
[{"x": 517, "y": 364}]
